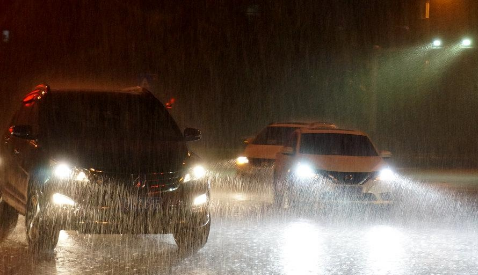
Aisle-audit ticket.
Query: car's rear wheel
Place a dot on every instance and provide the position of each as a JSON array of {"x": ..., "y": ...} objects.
[
  {"x": 42, "y": 233},
  {"x": 192, "y": 238},
  {"x": 8, "y": 219}
]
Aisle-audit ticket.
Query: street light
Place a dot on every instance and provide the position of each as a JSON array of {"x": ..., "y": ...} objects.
[
  {"x": 466, "y": 42},
  {"x": 437, "y": 43}
]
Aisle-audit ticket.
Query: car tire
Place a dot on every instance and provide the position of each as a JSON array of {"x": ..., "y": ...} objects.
[
  {"x": 42, "y": 233},
  {"x": 8, "y": 219},
  {"x": 191, "y": 238},
  {"x": 282, "y": 195}
]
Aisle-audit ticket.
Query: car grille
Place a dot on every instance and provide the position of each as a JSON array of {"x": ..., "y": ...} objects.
[
  {"x": 148, "y": 182},
  {"x": 354, "y": 178},
  {"x": 113, "y": 190},
  {"x": 261, "y": 162}
]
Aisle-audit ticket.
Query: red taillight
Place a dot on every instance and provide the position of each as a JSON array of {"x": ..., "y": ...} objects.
[
  {"x": 31, "y": 96},
  {"x": 169, "y": 104}
]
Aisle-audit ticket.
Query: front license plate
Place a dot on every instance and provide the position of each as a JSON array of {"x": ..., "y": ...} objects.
[{"x": 143, "y": 203}]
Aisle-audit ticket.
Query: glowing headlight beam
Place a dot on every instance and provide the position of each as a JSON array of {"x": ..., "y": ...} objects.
[
  {"x": 304, "y": 171},
  {"x": 60, "y": 199},
  {"x": 242, "y": 160},
  {"x": 199, "y": 172},
  {"x": 81, "y": 176},
  {"x": 386, "y": 174},
  {"x": 196, "y": 173},
  {"x": 199, "y": 200},
  {"x": 63, "y": 171}
]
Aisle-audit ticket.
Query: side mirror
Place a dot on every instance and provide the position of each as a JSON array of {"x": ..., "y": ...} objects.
[
  {"x": 386, "y": 154},
  {"x": 22, "y": 131},
  {"x": 191, "y": 134},
  {"x": 288, "y": 151}
]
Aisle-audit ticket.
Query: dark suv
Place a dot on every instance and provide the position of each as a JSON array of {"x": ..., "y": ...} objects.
[{"x": 101, "y": 162}]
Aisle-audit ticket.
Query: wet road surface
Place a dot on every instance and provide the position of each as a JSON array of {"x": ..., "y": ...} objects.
[{"x": 433, "y": 231}]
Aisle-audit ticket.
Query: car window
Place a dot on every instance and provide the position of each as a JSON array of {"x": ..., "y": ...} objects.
[
  {"x": 274, "y": 136},
  {"x": 336, "y": 144},
  {"x": 109, "y": 116}
]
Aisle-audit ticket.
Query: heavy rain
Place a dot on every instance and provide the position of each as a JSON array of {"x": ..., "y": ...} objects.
[{"x": 238, "y": 137}]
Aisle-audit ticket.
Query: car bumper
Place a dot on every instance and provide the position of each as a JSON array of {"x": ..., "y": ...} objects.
[
  {"x": 369, "y": 193},
  {"x": 128, "y": 212}
]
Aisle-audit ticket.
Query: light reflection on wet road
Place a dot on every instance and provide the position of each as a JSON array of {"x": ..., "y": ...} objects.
[{"x": 426, "y": 236}]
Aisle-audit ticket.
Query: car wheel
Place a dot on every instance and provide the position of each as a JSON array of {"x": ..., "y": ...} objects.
[
  {"x": 282, "y": 195},
  {"x": 190, "y": 238},
  {"x": 42, "y": 233},
  {"x": 8, "y": 219}
]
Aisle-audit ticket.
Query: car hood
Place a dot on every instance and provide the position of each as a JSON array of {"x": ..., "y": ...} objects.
[
  {"x": 262, "y": 151},
  {"x": 346, "y": 163},
  {"x": 121, "y": 156}
]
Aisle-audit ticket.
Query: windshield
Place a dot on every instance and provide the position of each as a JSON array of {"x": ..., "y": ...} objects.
[
  {"x": 84, "y": 115},
  {"x": 274, "y": 135},
  {"x": 336, "y": 144}
]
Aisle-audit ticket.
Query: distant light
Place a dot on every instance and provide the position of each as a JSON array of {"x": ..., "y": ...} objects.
[
  {"x": 437, "y": 43},
  {"x": 466, "y": 42}
]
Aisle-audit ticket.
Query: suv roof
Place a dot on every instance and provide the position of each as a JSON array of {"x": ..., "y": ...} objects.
[
  {"x": 317, "y": 124},
  {"x": 131, "y": 90},
  {"x": 43, "y": 89},
  {"x": 331, "y": 130}
]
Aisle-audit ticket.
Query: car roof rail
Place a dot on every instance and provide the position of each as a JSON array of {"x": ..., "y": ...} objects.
[{"x": 322, "y": 125}]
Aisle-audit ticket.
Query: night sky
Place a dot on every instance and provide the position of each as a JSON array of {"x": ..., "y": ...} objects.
[{"x": 235, "y": 66}]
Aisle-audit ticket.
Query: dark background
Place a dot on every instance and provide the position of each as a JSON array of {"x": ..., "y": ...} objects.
[{"x": 235, "y": 66}]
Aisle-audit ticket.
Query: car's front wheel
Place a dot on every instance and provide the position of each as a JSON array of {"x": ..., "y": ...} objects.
[
  {"x": 192, "y": 238},
  {"x": 282, "y": 194},
  {"x": 8, "y": 219},
  {"x": 42, "y": 232}
]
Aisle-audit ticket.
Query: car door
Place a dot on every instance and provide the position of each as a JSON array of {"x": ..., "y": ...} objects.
[
  {"x": 285, "y": 159},
  {"x": 21, "y": 154}
]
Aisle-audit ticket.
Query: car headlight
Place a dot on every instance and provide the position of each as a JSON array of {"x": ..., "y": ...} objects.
[
  {"x": 199, "y": 200},
  {"x": 242, "y": 160},
  {"x": 386, "y": 174},
  {"x": 60, "y": 199},
  {"x": 195, "y": 173},
  {"x": 63, "y": 171},
  {"x": 304, "y": 171}
]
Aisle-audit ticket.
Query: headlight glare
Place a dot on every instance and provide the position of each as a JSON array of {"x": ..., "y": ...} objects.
[
  {"x": 242, "y": 160},
  {"x": 81, "y": 176},
  {"x": 386, "y": 174},
  {"x": 466, "y": 42},
  {"x": 63, "y": 171},
  {"x": 199, "y": 172},
  {"x": 195, "y": 173},
  {"x": 201, "y": 199},
  {"x": 304, "y": 171},
  {"x": 60, "y": 199}
]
